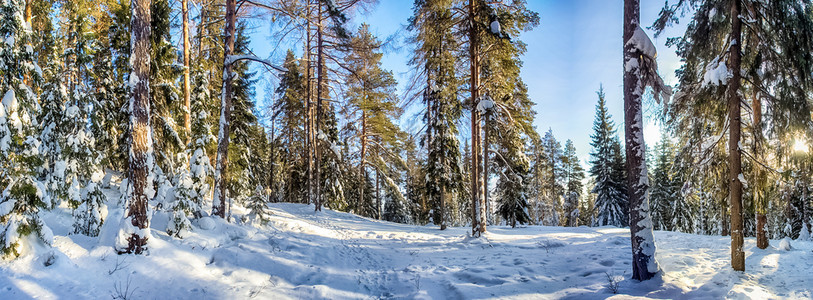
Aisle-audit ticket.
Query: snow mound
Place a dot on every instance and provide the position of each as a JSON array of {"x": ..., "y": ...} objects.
[
  {"x": 784, "y": 244},
  {"x": 206, "y": 223}
]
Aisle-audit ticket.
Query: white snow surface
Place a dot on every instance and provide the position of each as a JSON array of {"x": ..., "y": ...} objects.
[{"x": 300, "y": 254}]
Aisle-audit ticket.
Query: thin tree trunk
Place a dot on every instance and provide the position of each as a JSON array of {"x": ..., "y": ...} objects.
[
  {"x": 761, "y": 180},
  {"x": 140, "y": 129},
  {"x": 644, "y": 265},
  {"x": 309, "y": 101},
  {"x": 28, "y": 17},
  {"x": 734, "y": 155},
  {"x": 272, "y": 162},
  {"x": 320, "y": 61},
  {"x": 476, "y": 228},
  {"x": 221, "y": 178},
  {"x": 484, "y": 209},
  {"x": 362, "y": 178},
  {"x": 186, "y": 88},
  {"x": 377, "y": 195}
]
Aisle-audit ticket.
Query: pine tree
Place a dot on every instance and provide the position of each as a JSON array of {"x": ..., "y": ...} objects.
[
  {"x": 432, "y": 24},
  {"x": 573, "y": 174},
  {"x": 607, "y": 170},
  {"x": 549, "y": 205},
  {"x": 370, "y": 90},
  {"x": 23, "y": 195}
]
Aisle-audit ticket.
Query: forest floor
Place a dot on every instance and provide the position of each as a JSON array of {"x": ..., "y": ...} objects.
[{"x": 300, "y": 254}]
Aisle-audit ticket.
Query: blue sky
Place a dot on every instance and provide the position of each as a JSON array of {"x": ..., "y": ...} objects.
[{"x": 576, "y": 48}]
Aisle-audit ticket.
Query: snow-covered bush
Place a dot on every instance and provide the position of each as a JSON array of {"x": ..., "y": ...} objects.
[
  {"x": 91, "y": 212},
  {"x": 258, "y": 205},
  {"x": 183, "y": 205}
]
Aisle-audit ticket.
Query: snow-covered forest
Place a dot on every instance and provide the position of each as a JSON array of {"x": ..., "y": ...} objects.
[{"x": 137, "y": 160}]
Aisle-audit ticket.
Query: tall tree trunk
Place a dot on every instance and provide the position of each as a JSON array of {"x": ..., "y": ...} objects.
[
  {"x": 140, "y": 129},
  {"x": 309, "y": 101},
  {"x": 221, "y": 178},
  {"x": 272, "y": 162},
  {"x": 28, "y": 16},
  {"x": 377, "y": 195},
  {"x": 320, "y": 80},
  {"x": 644, "y": 265},
  {"x": 362, "y": 178},
  {"x": 476, "y": 228},
  {"x": 485, "y": 208},
  {"x": 186, "y": 88},
  {"x": 734, "y": 155},
  {"x": 761, "y": 177}
]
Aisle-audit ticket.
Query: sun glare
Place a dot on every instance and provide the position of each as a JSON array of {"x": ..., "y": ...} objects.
[{"x": 799, "y": 146}]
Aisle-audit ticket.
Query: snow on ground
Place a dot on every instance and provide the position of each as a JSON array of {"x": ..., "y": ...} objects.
[{"x": 330, "y": 255}]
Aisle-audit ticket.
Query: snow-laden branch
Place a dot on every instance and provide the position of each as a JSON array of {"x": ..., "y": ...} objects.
[
  {"x": 641, "y": 42},
  {"x": 234, "y": 58}
]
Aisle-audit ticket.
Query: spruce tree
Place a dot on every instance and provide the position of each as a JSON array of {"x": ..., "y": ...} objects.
[
  {"x": 23, "y": 195},
  {"x": 611, "y": 197},
  {"x": 663, "y": 192},
  {"x": 744, "y": 61},
  {"x": 200, "y": 167},
  {"x": 53, "y": 98},
  {"x": 289, "y": 110}
]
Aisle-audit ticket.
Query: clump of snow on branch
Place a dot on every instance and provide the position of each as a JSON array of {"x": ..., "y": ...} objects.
[
  {"x": 717, "y": 74},
  {"x": 641, "y": 42}
]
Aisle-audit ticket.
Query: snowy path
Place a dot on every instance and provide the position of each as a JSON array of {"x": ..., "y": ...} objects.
[{"x": 330, "y": 255}]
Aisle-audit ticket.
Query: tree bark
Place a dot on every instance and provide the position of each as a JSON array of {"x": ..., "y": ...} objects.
[
  {"x": 761, "y": 178},
  {"x": 476, "y": 227},
  {"x": 308, "y": 103},
  {"x": 186, "y": 85},
  {"x": 484, "y": 209},
  {"x": 734, "y": 155},
  {"x": 377, "y": 195},
  {"x": 320, "y": 61},
  {"x": 644, "y": 265},
  {"x": 140, "y": 129},
  {"x": 362, "y": 178},
  {"x": 221, "y": 178}
]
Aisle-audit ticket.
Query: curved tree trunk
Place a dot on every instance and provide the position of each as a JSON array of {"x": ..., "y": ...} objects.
[{"x": 644, "y": 265}]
